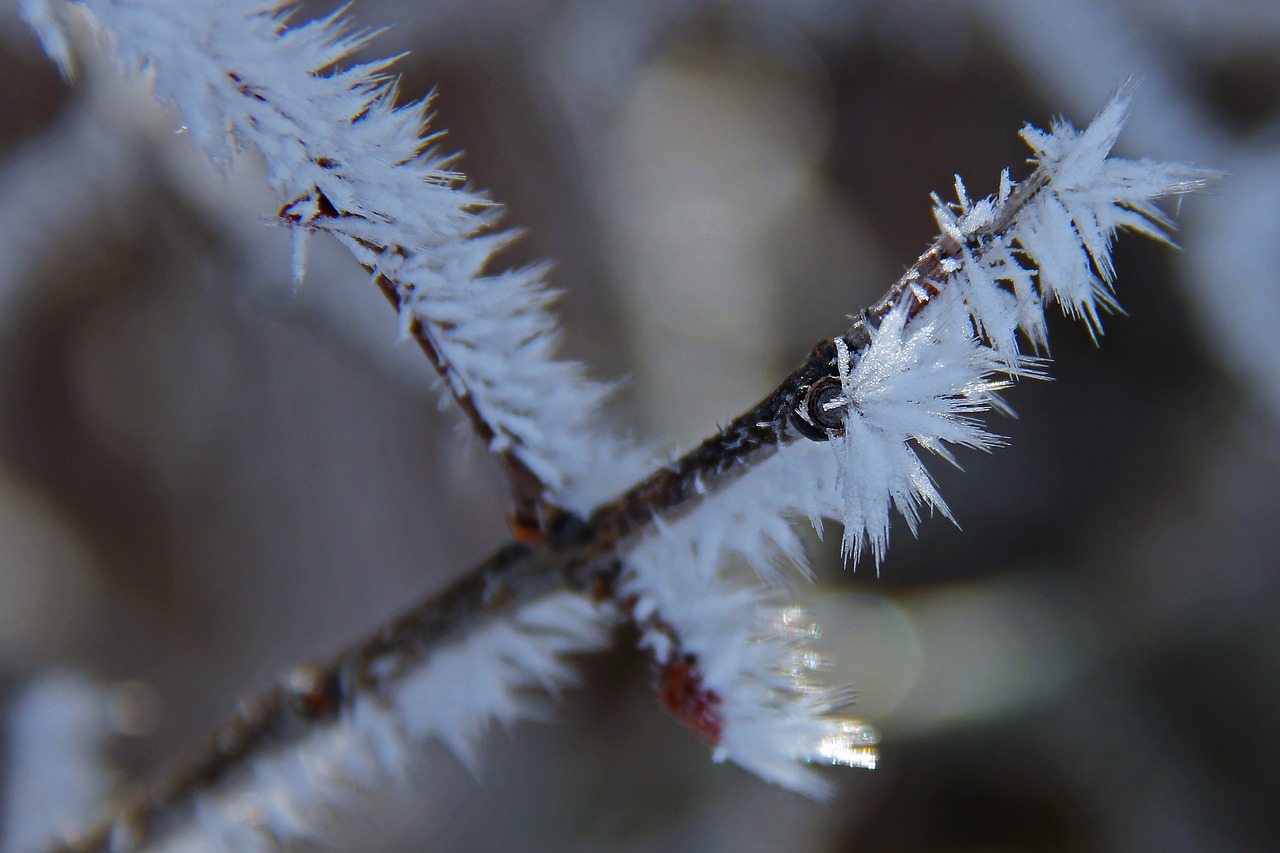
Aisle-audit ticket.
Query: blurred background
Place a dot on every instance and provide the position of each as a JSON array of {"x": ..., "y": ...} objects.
[{"x": 206, "y": 477}]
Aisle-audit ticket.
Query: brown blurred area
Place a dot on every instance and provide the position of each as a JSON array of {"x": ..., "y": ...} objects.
[{"x": 206, "y": 477}]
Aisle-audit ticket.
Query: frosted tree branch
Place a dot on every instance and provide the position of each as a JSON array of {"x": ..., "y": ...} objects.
[
  {"x": 591, "y": 558},
  {"x": 839, "y": 438},
  {"x": 348, "y": 161}
]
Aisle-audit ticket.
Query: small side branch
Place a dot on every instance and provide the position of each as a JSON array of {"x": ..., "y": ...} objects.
[{"x": 533, "y": 517}]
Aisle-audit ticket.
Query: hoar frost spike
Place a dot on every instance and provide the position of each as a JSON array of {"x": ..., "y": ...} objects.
[
  {"x": 348, "y": 161},
  {"x": 915, "y": 372},
  {"x": 838, "y": 439}
]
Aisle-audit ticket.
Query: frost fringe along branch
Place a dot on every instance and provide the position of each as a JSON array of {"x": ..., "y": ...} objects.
[{"x": 838, "y": 439}]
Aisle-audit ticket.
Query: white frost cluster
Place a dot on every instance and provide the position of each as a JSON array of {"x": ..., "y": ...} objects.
[
  {"x": 752, "y": 652},
  {"x": 1057, "y": 246},
  {"x": 925, "y": 377},
  {"x": 348, "y": 161},
  {"x": 916, "y": 385},
  {"x": 305, "y": 792},
  {"x": 921, "y": 383},
  {"x": 336, "y": 142}
]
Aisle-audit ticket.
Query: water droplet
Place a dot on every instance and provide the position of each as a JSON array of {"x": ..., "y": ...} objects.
[{"x": 851, "y": 743}]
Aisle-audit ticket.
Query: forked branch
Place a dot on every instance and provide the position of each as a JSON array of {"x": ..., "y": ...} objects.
[
  {"x": 839, "y": 438},
  {"x": 586, "y": 557}
]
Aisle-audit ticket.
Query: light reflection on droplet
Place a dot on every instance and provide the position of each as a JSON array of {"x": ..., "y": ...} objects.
[
  {"x": 851, "y": 743},
  {"x": 797, "y": 622},
  {"x": 814, "y": 661}
]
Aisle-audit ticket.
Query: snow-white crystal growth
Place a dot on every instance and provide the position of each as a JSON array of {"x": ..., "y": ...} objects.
[
  {"x": 347, "y": 160},
  {"x": 931, "y": 368},
  {"x": 915, "y": 386},
  {"x": 1050, "y": 240},
  {"x": 737, "y": 661},
  {"x": 934, "y": 364},
  {"x": 307, "y": 791}
]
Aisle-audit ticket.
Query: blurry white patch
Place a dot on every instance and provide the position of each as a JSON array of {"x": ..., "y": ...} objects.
[{"x": 57, "y": 778}]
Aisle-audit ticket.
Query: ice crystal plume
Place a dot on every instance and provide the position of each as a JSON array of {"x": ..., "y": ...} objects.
[
  {"x": 306, "y": 791},
  {"x": 940, "y": 356},
  {"x": 916, "y": 386},
  {"x": 1049, "y": 240},
  {"x": 737, "y": 662},
  {"x": 735, "y": 659},
  {"x": 348, "y": 161},
  {"x": 952, "y": 336}
]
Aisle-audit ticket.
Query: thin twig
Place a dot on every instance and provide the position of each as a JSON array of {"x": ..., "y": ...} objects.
[{"x": 532, "y": 517}]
